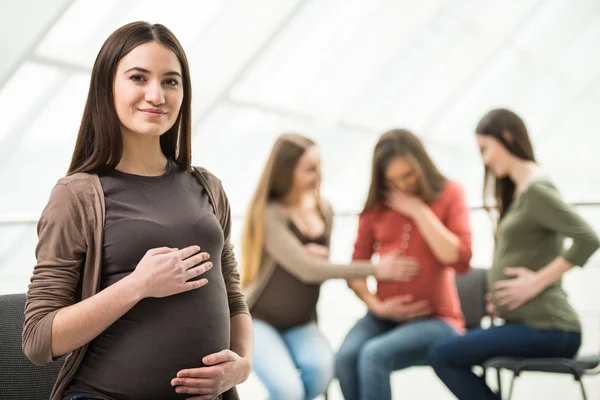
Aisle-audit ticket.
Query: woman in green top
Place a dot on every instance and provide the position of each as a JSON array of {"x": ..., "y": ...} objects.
[{"x": 529, "y": 262}]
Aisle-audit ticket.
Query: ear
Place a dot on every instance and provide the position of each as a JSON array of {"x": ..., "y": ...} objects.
[{"x": 508, "y": 137}]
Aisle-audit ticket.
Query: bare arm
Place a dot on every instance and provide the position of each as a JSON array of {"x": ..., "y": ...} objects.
[
  {"x": 442, "y": 242},
  {"x": 359, "y": 286},
  {"x": 242, "y": 338}
]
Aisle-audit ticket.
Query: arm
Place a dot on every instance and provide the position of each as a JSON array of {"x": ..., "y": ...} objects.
[
  {"x": 449, "y": 242},
  {"x": 550, "y": 211},
  {"x": 54, "y": 324},
  {"x": 547, "y": 209},
  {"x": 242, "y": 339},
  {"x": 360, "y": 288},
  {"x": 363, "y": 250},
  {"x": 287, "y": 250}
]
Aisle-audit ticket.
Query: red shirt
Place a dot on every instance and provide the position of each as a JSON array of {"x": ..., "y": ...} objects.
[{"x": 383, "y": 230}]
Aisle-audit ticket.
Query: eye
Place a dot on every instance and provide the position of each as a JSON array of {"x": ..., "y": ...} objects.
[
  {"x": 137, "y": 78},
  {"x": 171, "y": 82}
]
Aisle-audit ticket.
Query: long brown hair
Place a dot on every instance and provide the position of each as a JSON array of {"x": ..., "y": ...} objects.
[
  {"x": 403, "y": 143},
  {"x": 275, "y": 182},
  {"x": 99, "y": 145},
  {"x": 510, "y": 130}
]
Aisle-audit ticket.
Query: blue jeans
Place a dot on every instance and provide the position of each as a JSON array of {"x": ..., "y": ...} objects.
[
  {"x": 453, "y": 358},
  {"x": 295, "y": 364},
  {"x": 374, "y": 348}
]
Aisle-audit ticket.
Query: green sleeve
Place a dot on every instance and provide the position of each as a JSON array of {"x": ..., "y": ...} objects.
[{"x": 549, "y": 210}]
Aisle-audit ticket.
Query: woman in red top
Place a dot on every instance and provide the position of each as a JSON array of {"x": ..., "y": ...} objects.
[{"x": 412, "y": 209}]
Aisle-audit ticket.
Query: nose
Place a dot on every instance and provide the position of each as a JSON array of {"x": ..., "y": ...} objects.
[{"x": 155, "y": 94}]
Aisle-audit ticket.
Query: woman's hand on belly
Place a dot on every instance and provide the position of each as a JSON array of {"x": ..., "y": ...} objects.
[
  {"x": 223, "y": 371},
  {"x": 402, "y": 308},
  {"x": 164, "y": 271},
  {"x": 513, "y": 293}
]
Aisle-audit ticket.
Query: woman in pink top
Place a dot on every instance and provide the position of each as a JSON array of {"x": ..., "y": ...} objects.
[{"x": 412, "y": 210}]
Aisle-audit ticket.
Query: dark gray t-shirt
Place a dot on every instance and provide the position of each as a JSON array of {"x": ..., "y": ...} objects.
[{"x": 137, "y": 356}]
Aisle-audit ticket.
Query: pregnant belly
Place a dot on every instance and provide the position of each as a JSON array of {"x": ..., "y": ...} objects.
[
  {"x": 138, "y": 355},
  {"x": 386, "y": 290}
]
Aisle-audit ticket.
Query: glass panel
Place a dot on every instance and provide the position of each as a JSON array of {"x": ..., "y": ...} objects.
[
  {"x": 94, "y": 21},
  {"x": 234, "y": 143},
  {"x": 21, "y": 92},
  {"x": 317, "y": 71},
  {"x": 44, "y": 151}
]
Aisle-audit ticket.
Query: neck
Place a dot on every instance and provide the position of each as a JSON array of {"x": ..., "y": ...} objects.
[
  {"x": 522, "y": 171},
  {"x": 142, "y": 155},
  {"x": 296, "y": 199}
]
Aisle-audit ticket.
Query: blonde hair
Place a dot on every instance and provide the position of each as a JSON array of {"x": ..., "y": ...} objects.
[{"x": 276, "y": 180}]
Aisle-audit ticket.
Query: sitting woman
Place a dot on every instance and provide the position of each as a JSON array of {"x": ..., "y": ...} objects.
[
  {"x": 529, "y": 262},
  {"x": 412, "y": 211},
  {"x": 285, "y": 246}
]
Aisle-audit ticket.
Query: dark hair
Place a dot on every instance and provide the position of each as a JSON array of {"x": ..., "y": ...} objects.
[
  {"x": 403, "y": 143},
  {"x": 509, "y": 129},
  {"x": 99, "y": 145}
]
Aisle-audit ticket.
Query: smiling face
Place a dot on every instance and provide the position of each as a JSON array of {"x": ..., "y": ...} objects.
[
  {"x": 494, "y": 155},
  {"x": 148, "y": 90},
  {"x": 307, "y": 174}
]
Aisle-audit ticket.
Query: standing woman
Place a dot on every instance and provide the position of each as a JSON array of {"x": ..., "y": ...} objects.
[
  {"x": 414, "y": 211},
  {"x": 285, "y": 246},
  {"x": 529, "y": 261},
  {"x": 122, "y": 280}
]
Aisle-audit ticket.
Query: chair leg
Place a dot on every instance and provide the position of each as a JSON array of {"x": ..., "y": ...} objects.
[
  {"x": 584, "y": 395},
  {"x": 499, "y": 379},
  {"x": 512, "y": 386}
]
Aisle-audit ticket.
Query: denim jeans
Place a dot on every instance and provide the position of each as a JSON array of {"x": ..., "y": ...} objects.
[
  {"x": 295, "y": 364},
  {"x": 453, "y": 358},
  {"x": 374, "y": 348}
]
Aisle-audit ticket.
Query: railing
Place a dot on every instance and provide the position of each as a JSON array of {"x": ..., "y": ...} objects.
[{"x": 31, "y": 219}]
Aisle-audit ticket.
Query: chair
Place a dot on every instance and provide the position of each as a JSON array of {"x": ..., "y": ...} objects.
[
  {"x": 471, "y": 290},
  {"x": 20, "y": 378},
  {"x": 577, "y": 367}
]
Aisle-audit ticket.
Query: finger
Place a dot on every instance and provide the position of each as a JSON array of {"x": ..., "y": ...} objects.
[
  {"x": 159, "y": 250},
  {"x": 193, "y": 382},
  {"x": 193, "y": 285},
  {"x": 195, "y": 390},
  {"x": 188, "y": 252},
  {"x": 504, "y": 300},
  {"x": 218, "y": 358},
  {"x": 513, "y": 305},
  {"x": 197, "y": 271},
  {"x": 512, "y": 271},
  {"x": 401, "y": 299},
  {"x": 196, "y": 259},
  {"x": 415, "y": 305},
  {"x": 203, "y": 372},
  {"x": 503, "y": 285}
]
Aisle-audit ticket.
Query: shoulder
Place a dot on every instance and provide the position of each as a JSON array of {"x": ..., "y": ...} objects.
[
  {"x": 81, "y": 186},
  {"x": 541, "y": 189},
  {"x": 209, "y": 178},
  {"x": 275, "y": 211},
  {"x": 452, "y": 190},
  {"x": 373, "y": 213}
]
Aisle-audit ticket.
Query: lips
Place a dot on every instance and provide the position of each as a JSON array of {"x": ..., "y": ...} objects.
[{"x": 152, "y": 111}]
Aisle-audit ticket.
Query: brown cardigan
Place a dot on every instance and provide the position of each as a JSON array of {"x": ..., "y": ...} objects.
[
  {"x": 282, "y": 247},
  {"x": 69, "y": 263}
]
